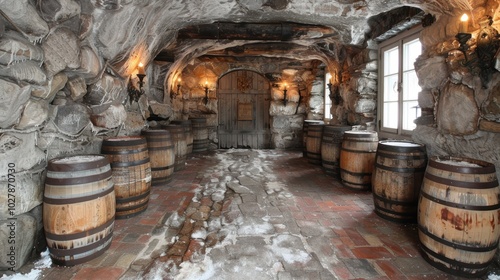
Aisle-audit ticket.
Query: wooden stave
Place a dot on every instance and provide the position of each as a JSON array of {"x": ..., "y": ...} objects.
[
  {"x": 356, "y": 175},
  {"x": 85, "y": 241},
  {"x": 161, "y": 155},
  {"x": 130, "y": 164},
  {"x": 457, "y": 257},
  {"x": 404, "y": 167}
]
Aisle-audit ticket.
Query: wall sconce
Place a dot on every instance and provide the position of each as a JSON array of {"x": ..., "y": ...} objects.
[
  {"x": 173, "y": 94},
  {"x": 141, "y": 74},
  {"x": 205, "y": 99},
  {"x": 334, "y": 94},
  {"x": 133, "y": 92},
  {"x": 285, "y": 100},
  {"x": 487, "y": 44}
]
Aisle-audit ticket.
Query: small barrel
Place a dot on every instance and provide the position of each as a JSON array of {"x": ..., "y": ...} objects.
[
  {"x": 313, "y": 144},
  {"x": 129, "y": 159},
  {"x": 305, "y": 127},
  {"x": 188, "y": 132},
  {"x": 161, "y": 155},
  {"x": 200, "y": 135},
  {"x": 331, "y": 142},
  {"x": 357, "y": 158},
  {"x": 78, "y": 208},
  {"x": 396, "y": 179},
  {"x": 458, "y": 215},
  {"x": 180, "y": 145}
]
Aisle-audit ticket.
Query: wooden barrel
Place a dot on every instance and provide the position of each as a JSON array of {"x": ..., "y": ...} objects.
[
  {"x": 188, "y": 132},
  {"x": 129, "y": 159},
  {"x": 331, "y": 142},
  {"x": 78, "y": 208},
  {"x": 396, "y": 179},
  {"x": 180, "y": 145},
  {"x": 200, "y": 135},
  {"x": 161, "y": 155},
  {"x": 313, "y": 143},
  {"x": 458, "y": 215},
  {"x": 305, "y": 127},
  {"x": 357, "y": 158}
]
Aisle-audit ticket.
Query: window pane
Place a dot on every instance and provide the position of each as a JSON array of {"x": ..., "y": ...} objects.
[
  {"x": 411, "y": 111},
  {"x": 391, "y": 61},
  {"x": 390, "y": 118},
  {"x": 328, "y": 101},
  {"x": 410, "y": 86},
  {"x": 391, "y": 88},
  {"x": 411, "y": 51}
]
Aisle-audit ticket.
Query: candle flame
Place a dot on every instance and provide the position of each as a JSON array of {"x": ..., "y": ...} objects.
[{"x": 464, "y": 18}]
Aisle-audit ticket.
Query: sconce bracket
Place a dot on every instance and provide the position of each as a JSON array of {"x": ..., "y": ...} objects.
[
  {"x": 133, "y": 92},
  {"x": 487, "y": 44}
]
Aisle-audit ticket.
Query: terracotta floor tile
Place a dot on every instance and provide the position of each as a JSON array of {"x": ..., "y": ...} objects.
[{"x": 371, "y": 252}]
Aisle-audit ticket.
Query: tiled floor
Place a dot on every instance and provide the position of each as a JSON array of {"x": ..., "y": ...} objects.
[{"x": 359, "y": 244}]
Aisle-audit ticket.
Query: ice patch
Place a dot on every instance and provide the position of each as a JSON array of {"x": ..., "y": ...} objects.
[{"x": 36, "y": 273}]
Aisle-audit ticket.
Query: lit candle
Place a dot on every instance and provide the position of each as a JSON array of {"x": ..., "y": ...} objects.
[
  {"x": 179, "y": 81},
  {"x": 285, "y": 86},
  {"x": 140, "y": 68},
  {"x": 464, "y": 22},
  {"x": 206, "y": 83}
]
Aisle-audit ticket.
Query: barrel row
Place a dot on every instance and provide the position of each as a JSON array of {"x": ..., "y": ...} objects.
[
  {"x": 454, "y": 200},
  {"x": 84, "y": 194}
]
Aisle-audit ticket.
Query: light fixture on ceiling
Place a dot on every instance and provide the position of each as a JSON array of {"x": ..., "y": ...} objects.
[{"x": 482, "y": 60}]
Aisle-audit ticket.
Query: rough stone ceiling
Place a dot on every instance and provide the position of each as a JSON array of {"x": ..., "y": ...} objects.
[{"x": 131, "y": 30}]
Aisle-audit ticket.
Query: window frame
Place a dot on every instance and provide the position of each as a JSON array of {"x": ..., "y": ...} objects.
[
  {"x": 397, "y": 41},
  {"x": 327, "y": 102}
]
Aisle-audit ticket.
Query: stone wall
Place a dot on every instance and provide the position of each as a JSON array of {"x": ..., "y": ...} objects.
[
  {"x": 460, "y": 113},
  {"x": 58, "y": 96}
]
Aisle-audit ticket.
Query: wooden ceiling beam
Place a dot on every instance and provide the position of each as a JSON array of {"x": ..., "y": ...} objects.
[{"x": 255, "y": 31}]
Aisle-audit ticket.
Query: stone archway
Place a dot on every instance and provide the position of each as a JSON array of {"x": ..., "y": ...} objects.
[{"x": 244, "y": 98}]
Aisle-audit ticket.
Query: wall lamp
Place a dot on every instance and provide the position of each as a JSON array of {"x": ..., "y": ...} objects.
[
  {"x": 133, "y": 92},
  {"x": 482, "y": 61},
  {"x": 173, "y": 94},
  {"x": 141, "y": 74},
  {"x": 205, "y": 99},
  {"x": 285, "y": 100}
]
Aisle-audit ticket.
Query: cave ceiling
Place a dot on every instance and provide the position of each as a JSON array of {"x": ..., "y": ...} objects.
[{"x": 176, "y": 32}]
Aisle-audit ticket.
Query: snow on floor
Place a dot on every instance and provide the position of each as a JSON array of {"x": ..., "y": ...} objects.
[{"x": 35, "y": 273}]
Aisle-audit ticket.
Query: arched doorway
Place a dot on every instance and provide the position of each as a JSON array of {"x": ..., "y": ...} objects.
[{"x": 244, "y": 110}]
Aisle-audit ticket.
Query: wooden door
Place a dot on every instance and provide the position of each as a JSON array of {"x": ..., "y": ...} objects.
[{"x": 244, "y": 111}]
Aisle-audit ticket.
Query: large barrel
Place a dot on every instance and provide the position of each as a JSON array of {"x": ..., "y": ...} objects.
[
  {"x": 161, "y": 155},
  {"x": 357, "y": 158},
  {"x": 331, "y": 142},
  {"x": 78, "y": 208},
  {"x": 313, "y": 143},
  {"x": 129, "y": 159},
  {"x": 200, "y": 134},
  {"x": 188, "y": 132},
  {"x": 180, "y": 145},
  {"x": 458, "y": 215},
  {"x": 396, "y": 179},
  {"x": 305, "y": 128}
]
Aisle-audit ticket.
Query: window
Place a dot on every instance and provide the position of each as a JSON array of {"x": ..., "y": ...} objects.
[
  {"x": 328, "y": 101},
  {"x": 399, "y": 83}
]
